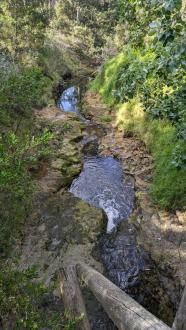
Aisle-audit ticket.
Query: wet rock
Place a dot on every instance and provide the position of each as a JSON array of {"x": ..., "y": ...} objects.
[{"x": 98, "y": 318}]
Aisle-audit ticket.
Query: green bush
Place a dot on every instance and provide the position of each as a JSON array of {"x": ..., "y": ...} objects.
[
  {"x": 17, "y": 154},
  {"x": 147, "y": 79},
  {"x": 20, "y": 92},
  {"x": 147, "y": 100}
]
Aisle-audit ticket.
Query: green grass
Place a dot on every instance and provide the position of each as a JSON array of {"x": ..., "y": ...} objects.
[
  {"x": 160, "y": 136},
  {"x": 106, "y": 80}
]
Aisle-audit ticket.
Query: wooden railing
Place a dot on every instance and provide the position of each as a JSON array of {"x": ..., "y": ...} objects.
[{"x": 124, "y": 311}]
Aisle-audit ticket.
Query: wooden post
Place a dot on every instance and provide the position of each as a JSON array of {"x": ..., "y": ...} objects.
[
  {"x": 125, "y": 312},
  {"x": 72, "y": 297},
  {"x": 180, "y": 319}
]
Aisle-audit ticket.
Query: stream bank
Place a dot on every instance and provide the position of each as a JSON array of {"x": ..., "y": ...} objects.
[
  {"x": 63, "y": 226},
  {"x": 159, "y": 233}
]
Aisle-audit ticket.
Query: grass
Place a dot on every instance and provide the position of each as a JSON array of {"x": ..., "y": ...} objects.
[
  {"x": 168, "y": 188},
  {"x": 106, "y": 80},
  {"x": 169, "y": 180}
]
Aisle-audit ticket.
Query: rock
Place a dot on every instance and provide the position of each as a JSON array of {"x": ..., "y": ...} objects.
[
  {"x": 55, "y": 244},
  {"x": 181, "y": 217},
  {"x": 77, "y": 221},
  {"x": 141, "y": 184},
  {"x": 69, "y": 223},
  {"x": 42, "y": 228},
  {"x": 90, "y": 145},
  {"x": 51, "y": 182},
  {"x": 57, "y": 164}
]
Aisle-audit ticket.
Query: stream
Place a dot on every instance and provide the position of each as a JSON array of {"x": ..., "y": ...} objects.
[{"x": 102, "y": 184}]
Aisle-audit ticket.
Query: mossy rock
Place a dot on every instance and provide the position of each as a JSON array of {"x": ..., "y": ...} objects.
[{"x": 71, "y": 220}]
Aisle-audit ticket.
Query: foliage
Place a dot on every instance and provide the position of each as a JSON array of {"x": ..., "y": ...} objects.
[
  {"x": 168, "y": 189},
  {"x": 145, "y": 19},
  {"x": 17, "y": 154},
  {"x": 91, "y": 22},
  {"x": 71, "y": 321},
  {"x": 21, "y": 301},
  {"x": 151, "y": 68},
  {"x": 22, "y": 26},
  {"x": 20, "y": 92}
]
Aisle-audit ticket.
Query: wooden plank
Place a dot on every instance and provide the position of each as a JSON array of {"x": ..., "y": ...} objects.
[
  {"x": 72, "y": 297},
  {"x": 180, "y": 319},
  {"x": 125, "y": 312}
]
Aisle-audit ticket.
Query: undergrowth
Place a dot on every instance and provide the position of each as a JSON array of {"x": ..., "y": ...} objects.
[
  {"x": 160, "y": 137},
  {"x": 28, "y": 304},
  {"x": 147, "y": 84}
]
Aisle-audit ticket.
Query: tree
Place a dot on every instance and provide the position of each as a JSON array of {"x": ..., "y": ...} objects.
[{"x": 22, "y": 25}]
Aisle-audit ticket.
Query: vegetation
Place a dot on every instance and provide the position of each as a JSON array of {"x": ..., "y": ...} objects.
[
  {"x": 23, "y": 303},
  {"x": 17, "y": 155},
  {"x": 23, "y": 87},
  {"x": 41, "y": 42},
  {"x": 23, "y": 25},
  {"x": 20, "y": 92},
  {"x": 44, "y": 41},
  {"x": 89, "y": 23},
  {"x": 147, "y": 81}
]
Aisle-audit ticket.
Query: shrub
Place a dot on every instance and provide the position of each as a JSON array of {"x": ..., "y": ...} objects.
[
  {"x": 147, "y": 80},
  {"x": 20, "y": 92},
  {"x": 165, "y": 141},
  {"x": 17, "y": 153}
]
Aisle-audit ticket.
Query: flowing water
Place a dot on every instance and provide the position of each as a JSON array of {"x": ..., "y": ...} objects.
[
  {"x": 102, "y": 184},
  {"x": 69, "y": 100}
]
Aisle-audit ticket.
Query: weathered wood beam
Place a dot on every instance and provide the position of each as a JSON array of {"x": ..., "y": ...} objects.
[
  {"x": 180, "y": 319},
  {"x": 72, "y": 297},
  {"x": 125, "y": 312}
]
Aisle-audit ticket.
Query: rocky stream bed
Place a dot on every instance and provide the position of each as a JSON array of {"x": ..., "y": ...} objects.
[{"x": 93, "y": 204}]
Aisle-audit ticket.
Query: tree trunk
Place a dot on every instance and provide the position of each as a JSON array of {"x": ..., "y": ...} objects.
[
  {"x": 72, "y": 297},
  {"x": 126, "y": 313}
]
